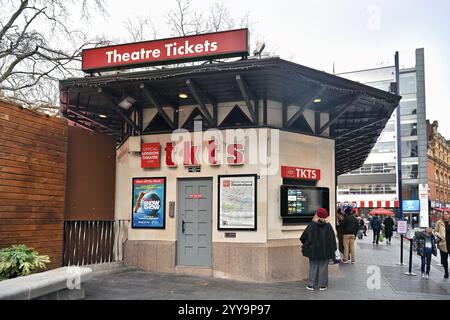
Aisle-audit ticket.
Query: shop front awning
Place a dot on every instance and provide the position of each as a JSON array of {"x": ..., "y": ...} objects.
[{"x": 357, "y": 113}]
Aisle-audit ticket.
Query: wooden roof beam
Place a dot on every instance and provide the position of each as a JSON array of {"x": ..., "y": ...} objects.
[
  {"x": 248, "y": 97},
  {"x": 306, "y": 104},
  {"x": 196, "y": 93},
  {"x": 151, "y": 97},
  {"x": 117, "y": 109}
]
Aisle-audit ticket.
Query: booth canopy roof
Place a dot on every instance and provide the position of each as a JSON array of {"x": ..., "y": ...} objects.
[{"x": 358, "y": 113}]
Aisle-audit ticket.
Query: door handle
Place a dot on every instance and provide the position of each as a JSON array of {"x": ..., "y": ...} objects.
[{"x": 183, "y": 229}]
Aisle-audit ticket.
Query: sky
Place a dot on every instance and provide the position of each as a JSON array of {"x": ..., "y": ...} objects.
[{"x": 352, "y": 34}]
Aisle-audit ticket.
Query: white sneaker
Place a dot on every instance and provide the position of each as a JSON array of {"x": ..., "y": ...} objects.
[
  {"x": 423, "y": 275},
  {"x": 427, "y": 276},
  {"x": 323, "y": 288},
  {"x": 310, "y": 288}
]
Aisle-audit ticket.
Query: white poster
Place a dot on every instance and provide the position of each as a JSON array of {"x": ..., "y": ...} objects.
[
  {"x": 423, "y": 197},
  {"x": 237, "y": 202}
]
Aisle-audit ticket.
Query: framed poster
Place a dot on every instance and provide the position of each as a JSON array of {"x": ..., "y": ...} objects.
[
  {"x": 149, "y": 203},
  {"x": 237, "y": 202}
]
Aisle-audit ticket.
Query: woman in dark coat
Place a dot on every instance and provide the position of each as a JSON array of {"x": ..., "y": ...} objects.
[
  {"x": 388, "y": 229},
  {"x": 319, "y": 245}
]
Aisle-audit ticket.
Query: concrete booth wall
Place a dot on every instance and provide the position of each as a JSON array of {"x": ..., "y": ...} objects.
[{"x": 272, "y": 252}]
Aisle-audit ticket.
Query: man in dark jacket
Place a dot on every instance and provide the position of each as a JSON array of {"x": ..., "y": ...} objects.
[
  {"x": 349, "y": 230},
  {"x": 376, "y": 227},
  {"x": 319, "y": 245}
]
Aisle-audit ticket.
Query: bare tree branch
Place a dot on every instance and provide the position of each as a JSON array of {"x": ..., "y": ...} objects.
[{"x": 37, "y": 48}]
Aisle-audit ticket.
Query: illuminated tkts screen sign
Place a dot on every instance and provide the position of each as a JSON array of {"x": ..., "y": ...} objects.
[{"x": 199, "y": 47}]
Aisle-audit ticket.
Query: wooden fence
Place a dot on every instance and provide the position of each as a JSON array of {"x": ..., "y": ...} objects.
[
  {"x": 91, "y": 242},
  {"x": 33, "y": 161}
]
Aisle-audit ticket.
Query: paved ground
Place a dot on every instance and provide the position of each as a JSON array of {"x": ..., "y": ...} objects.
[{"x": 350, "y": 283}]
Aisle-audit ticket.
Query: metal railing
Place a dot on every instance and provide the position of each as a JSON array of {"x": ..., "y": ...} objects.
[{"x": 93, "y": 242}]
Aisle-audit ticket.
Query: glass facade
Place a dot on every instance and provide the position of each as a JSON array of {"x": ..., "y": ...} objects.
[
  {"x": 387, "y": 188},
  {"x": 382, "y": 159}
]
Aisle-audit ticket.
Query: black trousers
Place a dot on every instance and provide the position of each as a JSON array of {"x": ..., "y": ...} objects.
[
  {"x": 376, "y": 235},
  {"x": 444, "y": 261},
  {"x": 426, "y": 260}
]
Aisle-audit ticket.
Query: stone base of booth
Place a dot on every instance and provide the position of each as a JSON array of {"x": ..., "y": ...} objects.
[
  {"x": 274, "y": 261},
  {"x": 149, "y": 255}
]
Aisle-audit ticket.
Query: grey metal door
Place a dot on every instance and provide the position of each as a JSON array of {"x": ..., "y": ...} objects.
[{"x": 194, "y": 234}]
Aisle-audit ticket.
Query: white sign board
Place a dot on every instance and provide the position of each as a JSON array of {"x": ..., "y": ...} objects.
[
  {"x": 423, "y": 197},
  {"x": 402, "y": 227}
]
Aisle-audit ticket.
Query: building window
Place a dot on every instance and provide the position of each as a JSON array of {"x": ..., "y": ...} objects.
[
  {"x": 408, "y": 83},
  {"x": 358, "y": 189},
  {"x": 410, "y": 171},
  {"x": 384, "y": 147},
  {"x": 408, "y": 105},
  {"x": 409, "y": 149},
  {"x": 410, "y": 192},
  {"x": 408, "y": 129},
  {"x": 375, "y": 168}
]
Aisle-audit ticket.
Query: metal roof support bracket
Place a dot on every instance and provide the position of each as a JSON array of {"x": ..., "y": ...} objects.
[
  {"x": 94, "y": 122},
  {"x": 308, "y": 102},
  {"x": 334, "y": 118},
  {"x": 196, "y": 93},
  {"x": 151, "y": 97},
  {"x": 248, "y": 96},
  {"x": 118, "y": 109}
]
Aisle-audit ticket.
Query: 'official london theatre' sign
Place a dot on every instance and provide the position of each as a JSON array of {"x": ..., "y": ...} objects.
[{"x": 232, "y": 43}]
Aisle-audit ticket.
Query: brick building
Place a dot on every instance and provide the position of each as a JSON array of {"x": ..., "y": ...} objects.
[{"x": 438, "y": 170}]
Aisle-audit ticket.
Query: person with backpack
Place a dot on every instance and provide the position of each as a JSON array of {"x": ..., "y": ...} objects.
[
  {"x": 426, "y": 246},
  {"x": 349, "y": 230},
  {"x": 376, "y": 227},
  {"x": 319, "y": 245}
]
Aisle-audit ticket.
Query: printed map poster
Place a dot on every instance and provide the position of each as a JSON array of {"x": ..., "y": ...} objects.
[
  {"x": 237, "y": 202},
  {"x": 148, "y": 207}
]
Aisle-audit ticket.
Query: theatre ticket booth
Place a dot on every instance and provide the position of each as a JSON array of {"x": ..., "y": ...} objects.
[{"x": 221, "y": 165}]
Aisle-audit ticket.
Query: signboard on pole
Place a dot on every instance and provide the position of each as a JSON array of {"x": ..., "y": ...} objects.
[
  {"x": 402, "y": 227},
  {"x": 423, "y": 196}
]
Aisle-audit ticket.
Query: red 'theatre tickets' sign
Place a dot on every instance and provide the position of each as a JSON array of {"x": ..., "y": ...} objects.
[
  {"x": 150, "y": 155},
  {"x": 300, "y": 173},
  {"x": 212, "y": 45}
]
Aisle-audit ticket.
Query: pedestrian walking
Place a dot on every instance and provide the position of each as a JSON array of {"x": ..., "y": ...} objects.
[
  {"x": 388, "y": 229},
  {"x": 319, "y": 245},
  {"x": 339, "y": 218},
  {"x": 426, "y": 246},
  {"x": 442, "y": 233},
  {"x": 376, "y": 227},
  {"x": 349, "y": 230}
]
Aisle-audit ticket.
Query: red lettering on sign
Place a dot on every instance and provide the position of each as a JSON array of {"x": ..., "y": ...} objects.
[
  {"x": 169, "y": 155},
  {"x": 300, "y": 173},
  {"x": 190, "y": 155},
  {"x": 212, "y": 148},
  {"x": 235, "y": 154}
]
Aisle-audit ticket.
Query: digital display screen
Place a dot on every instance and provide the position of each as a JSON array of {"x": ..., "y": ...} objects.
[{"x": 300, "y": 201}]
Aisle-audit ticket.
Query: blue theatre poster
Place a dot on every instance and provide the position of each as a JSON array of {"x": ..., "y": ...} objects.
[{"x": 148, "y": 207}]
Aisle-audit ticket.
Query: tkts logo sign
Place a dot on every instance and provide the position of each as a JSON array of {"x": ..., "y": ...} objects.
[
  {"x": 232, "y": 43},
  {"x": 300, "y": 173}
]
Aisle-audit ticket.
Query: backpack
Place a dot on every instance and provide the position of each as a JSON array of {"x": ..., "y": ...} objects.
[{"x": 376, "y": 224}]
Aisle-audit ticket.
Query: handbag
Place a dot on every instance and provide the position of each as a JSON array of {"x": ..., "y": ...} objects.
[{"x": 381, "y": 236}]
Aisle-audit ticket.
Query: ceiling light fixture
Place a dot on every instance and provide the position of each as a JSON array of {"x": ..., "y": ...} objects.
[
  {"x": 127, "y": 103},
  {"x": 103, "y": 116},
  {"x": 317, "y": 100},
  {"x": 183, "y": 95}
]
